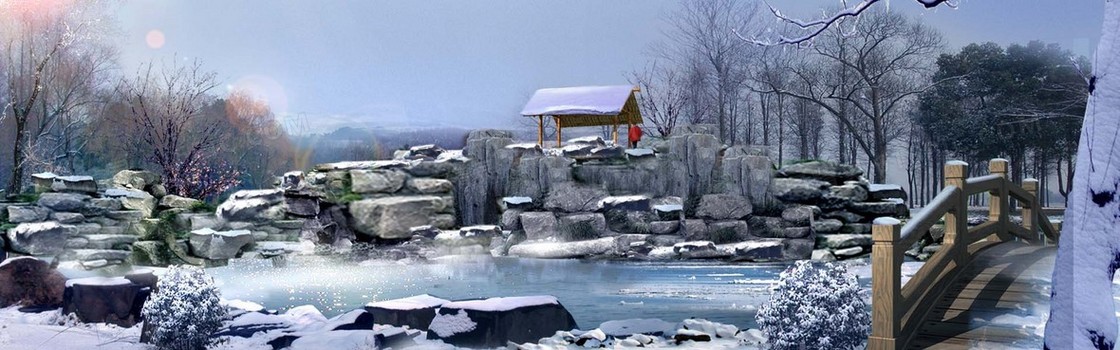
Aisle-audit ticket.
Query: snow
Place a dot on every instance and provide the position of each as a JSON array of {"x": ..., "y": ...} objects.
[
  {"x": 517, "y": 200},
  {"x": 52, "y": 330},
  {"x": 956, "y": 162},
  {"x": 347, "y": 339},
  {"x": 886, "y": 220},
  {"x": 502, "y": 303},
  {"x": 415, "y": 302},
  {"x": 75, "y": 178},
  {"x": 5, "y": 262},
  {"x": 623, "y": 328},
  {"x": 526, "y": 145},
  {"x": 586, "y": 139},
  {"x": 639, "y": 152},
  {"x": 894, "y": 200},
  {"x": 242, "y": 305},
  {"x": 452, "y": 324},
  {"x": 45, "y": 175},
  {"x": 666, "y": 208},
  {"x": 615, "y": 200},
  {"x": 231, "y": 233},
  {"x": 563, "y": 250},
  {"x": 883, "y": 187},
  {"x": 98, "y": 281},
  {"x": 594, "y": 100},
  {"x": 124, "y": 192}
]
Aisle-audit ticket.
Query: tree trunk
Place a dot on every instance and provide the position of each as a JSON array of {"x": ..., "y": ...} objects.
[
  {"x": 15, "y": 185},
  {"x": 1081, "y": 305}
]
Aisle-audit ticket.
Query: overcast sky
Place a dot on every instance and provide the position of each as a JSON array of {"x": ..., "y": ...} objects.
[{"x": 475, "y": 63}]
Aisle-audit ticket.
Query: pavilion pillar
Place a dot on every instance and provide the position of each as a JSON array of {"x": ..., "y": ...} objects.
[
  {"x": 559, "y": 130},
  {"x": 540, "y": 130}
]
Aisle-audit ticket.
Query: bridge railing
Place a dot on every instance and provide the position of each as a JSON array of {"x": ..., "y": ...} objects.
[{"x": 898, "y": 310}]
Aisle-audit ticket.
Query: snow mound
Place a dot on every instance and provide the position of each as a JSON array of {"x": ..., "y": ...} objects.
[
  {"x": 503, "y": 303},
  {"x": 423, "y": 301},
  {"x": 452, "y": 324}
]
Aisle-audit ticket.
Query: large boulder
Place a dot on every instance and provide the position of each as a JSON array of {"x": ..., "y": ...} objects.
[
  {"x": 821, "y": 170},
  {"x": 495, "y": 322},
  {"x": 806, "y": 191},
  {"x": 173, "y": 201},
  {"x": 573, "y": 199},
  {"x": 841, "y": 241},
  {"x": 391, "y": 217},
  {"x": 376, "y": 181},
  {"x": 77, "y": 184},
  {"x": 759, "y": 250},
  {"x": 723, "y": 207},
  {"x": 800, "y": 215},
  {"x": 625, "y": 203},
  {"x": 850, "y": 190},
  {"x": 584, "y": 226},
  {"x": 40, "y": 238},
  {"x": 115, "y": 300},
  {"x": 135, "y": 179},
  {"x": 538, "y": 224},
  {"x": 27, "y": 281},
  {"x": 134, "y": 200},
  {"x": 430, "y": 186},
  {"x": 27, "y": 213},
  {"x": 301, "y": 204},
  {"x": 416, "y": 312},
  {"x": 877, "y": 209},
  {"x": 565, "y": 250},
  {"x": 219, "y": 245},
  {"x": 728, "y": 231},
  {"x": 880, "y": 192},
  {"x": 251, "y": 205}
]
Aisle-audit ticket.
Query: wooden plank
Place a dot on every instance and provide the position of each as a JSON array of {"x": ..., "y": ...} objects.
[
  {"x": 969, "y": 315},
  {"x": 974, "y": 294},
  {"x": 981, "y": 332}
]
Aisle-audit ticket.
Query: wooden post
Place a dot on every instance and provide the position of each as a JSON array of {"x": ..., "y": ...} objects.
[
  {"x": 998, "y": 201},
  {"x": 540, "y": 130},
  {"x": 956, "y": 219},
  {"x": 1031, "y": 207},
  {"x": 559, "y": 128},
  {"x": 614, "y": 130},
  {"x": 886, "y": 288}
]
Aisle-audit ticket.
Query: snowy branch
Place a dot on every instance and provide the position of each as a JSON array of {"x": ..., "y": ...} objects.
[{"x": 816, "y": 27}]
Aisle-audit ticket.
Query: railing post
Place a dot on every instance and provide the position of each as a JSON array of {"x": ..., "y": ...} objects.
[
  {"x": 886, "y": 286},
  {"x": 999, "y": 203},
  {"x": 1031, "y": 207},
  {"x": 956, "y": 219}
]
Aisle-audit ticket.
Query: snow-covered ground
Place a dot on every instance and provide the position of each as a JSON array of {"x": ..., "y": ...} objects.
[{"x": 52, "y": 330}]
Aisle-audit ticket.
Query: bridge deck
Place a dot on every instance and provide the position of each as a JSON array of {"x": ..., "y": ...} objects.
[{"x": 987, "y": 305}]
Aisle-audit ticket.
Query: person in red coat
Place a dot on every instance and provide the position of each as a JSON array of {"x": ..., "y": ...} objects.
[{"x": 635, "y": 135}]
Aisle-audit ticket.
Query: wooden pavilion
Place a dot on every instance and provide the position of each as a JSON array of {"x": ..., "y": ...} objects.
[{"x": 571, "y": 107}]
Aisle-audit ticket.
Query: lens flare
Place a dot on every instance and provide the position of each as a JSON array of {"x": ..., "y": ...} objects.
[{"x": 155, "y": 39}]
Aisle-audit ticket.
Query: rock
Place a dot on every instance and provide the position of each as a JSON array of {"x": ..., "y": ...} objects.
[
  {"x": 106, "y": 203},
  {"x": 26, "y": 213},
  {"x": 758, "y": 250},
  {"x": 850, "y": 190},
  {"x": 577, "y": 151},
  {"x": 62, "y": 201},
  {"x": 40, "y": 238},
  {"x": 511, "y": 220},
  {"x": 77, "y": 184},
  {"x": 206, "y": 221},
  {"x": 729, "y": 231},
  {"x": 564, "y": 250},
  {"x": 827, "y": 226},
  {"x": 119, "y": 242},
  {"x": 424, "y": 151},
  {"x": 699, "y": 250},
  {"x": 606, "y": 152},
  {"x": 30, "y": 282},
  {"x": 573, "y": 199},
  {"x": 723, "y": 207},
  {"x": 416, "y": 312},
  {"x": 134, "y": 200},
  {"x": 153, "y": 253},
  {"x": 250, "y": 205},
  {"x": 823, "y": 255},
  {"x": 125, "y": 215},
  {"x": 797, "y": 249},
  {"x": 880, "y": 192},
  {"x": 664, "y": 227},
  {"x": 135, "y": 179},
  {"x": 291, "y": 181},
  {"x": 856, "y": 228},
  {"x": 218, "y": 245},
  {"x": 694, "y": 229},
  {"x": 668, "y": 212},
  {"x": 426, "y": 231},
  {"x": 821, "y": 170},
  {"x": 480, "y": 230},
  {"x": 376, "y": 181},
  {"x": 877, "y": 209},
  {"x": 173, "y": 201},
  {"x": 538, "y": 225},
  {"x": 848, "y": 252},
  {"x": 796, "y": 232},
  {"x": 157, "y": 190},
  {"x": 302, "y": 205},
  {"x": 43, "y": 181},
  {"x": 495, "y": 322},
  {"x": 801, "y": 215},
  {"x": 67, "y": 218},
  {"x": 430, "y": 186},
  {"x": 113, "y": 300},
  {"x": 841, "y": 241},
  {"x": 625, "y": 203},
  {"x": 684, "y": 335},
  {"x": 391, "y": 217},
  {"x": 579, "y": 227},
  {"x": 844, "y": 216},
  {"x": 799, "y": 190}
]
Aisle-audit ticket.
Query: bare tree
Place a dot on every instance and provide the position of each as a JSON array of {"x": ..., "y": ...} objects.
[
  {"x": 52, "y": 59},
  {"x": 166, "y": 110},
  {"x": 664, "y": 96}
]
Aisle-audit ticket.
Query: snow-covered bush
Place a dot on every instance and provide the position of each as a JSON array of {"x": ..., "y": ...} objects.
[
  {"x": 816, "y": 306},
  {"x": 185, "y": 310}
]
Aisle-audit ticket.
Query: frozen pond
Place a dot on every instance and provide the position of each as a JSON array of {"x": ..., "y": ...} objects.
[{"x": 593, "y": 291}]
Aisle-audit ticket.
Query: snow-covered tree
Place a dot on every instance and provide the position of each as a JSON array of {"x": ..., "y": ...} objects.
[
  {"x": 816, "y": 306},
  {"x": 184, "y": 311}
]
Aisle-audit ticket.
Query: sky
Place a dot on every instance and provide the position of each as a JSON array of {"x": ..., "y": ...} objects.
[{"x": 474, "y": 64}]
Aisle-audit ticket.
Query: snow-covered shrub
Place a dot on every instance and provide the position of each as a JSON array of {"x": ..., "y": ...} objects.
[
  {"x": 816, "y": 306},
  {"x": 185, "y": 309}
]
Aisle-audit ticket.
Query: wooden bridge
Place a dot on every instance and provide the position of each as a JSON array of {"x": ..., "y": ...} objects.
[{"x": 980, "y": 273}]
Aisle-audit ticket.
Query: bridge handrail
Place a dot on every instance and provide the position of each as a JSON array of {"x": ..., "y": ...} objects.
[{"x": 897, "y": 310}]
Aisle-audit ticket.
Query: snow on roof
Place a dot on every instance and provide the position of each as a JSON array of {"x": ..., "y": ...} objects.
[
  {"x": 98, "y": 281},
  {"x": 502, "y": 303},
  {"x": 585, "y": 100},
  {"x": 422, "y": 301}
]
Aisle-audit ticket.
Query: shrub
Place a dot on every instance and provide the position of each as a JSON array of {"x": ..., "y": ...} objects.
[
  {"x": 816, "y": 306},
  {"x": 723, "y": 235},
  {"x": 184, "y": 311},
  {"x": 578, "y": 231}
]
